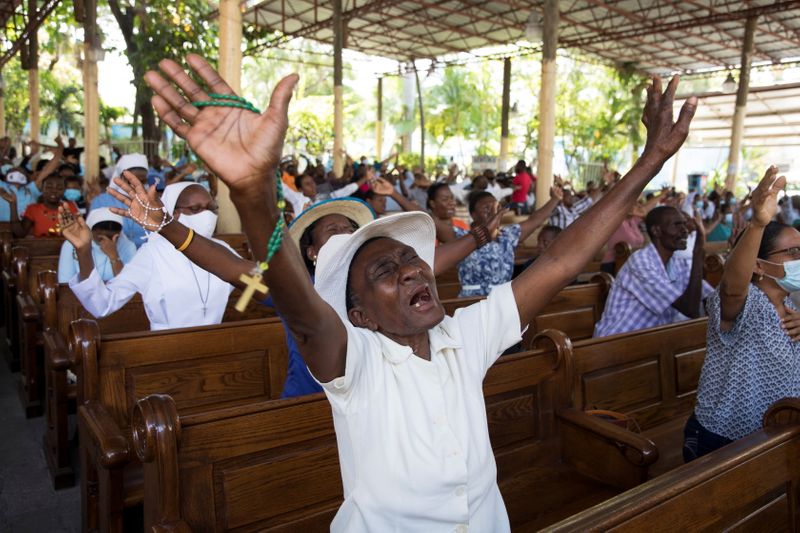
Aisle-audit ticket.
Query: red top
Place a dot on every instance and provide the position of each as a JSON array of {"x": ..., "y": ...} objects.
[
  {"x": 524, "y": 180},
  {"x": 45, "y": 219}
]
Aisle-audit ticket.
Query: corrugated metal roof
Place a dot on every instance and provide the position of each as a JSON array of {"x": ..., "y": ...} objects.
[{"x": 657, "y": 36}]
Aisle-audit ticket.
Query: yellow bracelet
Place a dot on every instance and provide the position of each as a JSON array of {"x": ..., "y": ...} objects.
[{"x": 187, "y": 242}]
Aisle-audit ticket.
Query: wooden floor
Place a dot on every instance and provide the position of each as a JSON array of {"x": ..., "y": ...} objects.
[{"x": 28, "y": 502}]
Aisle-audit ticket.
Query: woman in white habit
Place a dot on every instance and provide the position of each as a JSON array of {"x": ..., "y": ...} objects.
[{"x": 176, "y": 292}]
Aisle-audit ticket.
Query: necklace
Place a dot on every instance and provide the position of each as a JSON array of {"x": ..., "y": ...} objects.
[{"x": 199, "y": 291}]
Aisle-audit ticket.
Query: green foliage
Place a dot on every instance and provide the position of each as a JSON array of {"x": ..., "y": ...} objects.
[
  {"x": 433, "y": 163},
  {"x": 109, "y": 115},
  {"x": 310, "y": 130},
  {"x": 62, "y": 104}
]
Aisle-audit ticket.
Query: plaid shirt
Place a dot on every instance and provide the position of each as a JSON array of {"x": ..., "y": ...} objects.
[
  {"x": 643, "y": 293},
  {"x": 564, "y": 216}
]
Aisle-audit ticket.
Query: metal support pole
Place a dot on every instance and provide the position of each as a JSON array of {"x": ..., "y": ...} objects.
[
  {"x": 502, "y": 162},
  {"x": 338, "y": 102},
  {"x": 547, "y": 103},
  {"x": 737, "y": 128}
]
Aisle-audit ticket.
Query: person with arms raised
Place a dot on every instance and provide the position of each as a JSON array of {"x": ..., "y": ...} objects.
[{"x": 404, "y": 381}]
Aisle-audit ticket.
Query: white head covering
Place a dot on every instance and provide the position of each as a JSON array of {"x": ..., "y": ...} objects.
[
  {"x": 102, "y": 214},
  {"x": 416, "y": 229},
  {"x": 171, "y": 193},
  {"x": 127, "y": 162}
]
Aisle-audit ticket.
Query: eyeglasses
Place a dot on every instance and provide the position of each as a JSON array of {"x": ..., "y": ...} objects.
[{"x": 794, "y": 251}]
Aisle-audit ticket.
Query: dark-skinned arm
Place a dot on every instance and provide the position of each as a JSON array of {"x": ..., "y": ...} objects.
[
  {"x": 243, "y": 149},
  {"x": 577, "y": 244},
  {"x": 541, "y": 215},
  {"x": 449, "y": 254},
  {"x": 688, "y": 303},
  {"x": 51, "y": 165},
  {"x": 735, "y": 282}
]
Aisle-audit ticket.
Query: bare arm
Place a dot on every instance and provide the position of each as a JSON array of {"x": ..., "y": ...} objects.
[
  {"x": 243, "y": 149},
  {"x": 688, "y": 303},
  {"x": 735, "y": 282},
  {"x": 540, "y": 216},
  {"x": 51, "y": 165},
  {"x": 577, "y": 244}
]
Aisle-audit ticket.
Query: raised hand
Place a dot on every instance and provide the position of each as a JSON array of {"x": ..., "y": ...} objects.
[
  {"x": 143, "y": 205},
  {"x": 556, "y": 193},
  {"x": 764, "y": 198},
  {"x": 381, "y": 186},
  {"x": 8, "y": 196},
  {"x": 790, "y": 324},
  {"x": 665, "y": 136},
  {"x": 241, "y": 147},
  {"x": 109, "y": 246},
  {"x": 74, "y": 228},
  {"x": 493, "y": 224}
]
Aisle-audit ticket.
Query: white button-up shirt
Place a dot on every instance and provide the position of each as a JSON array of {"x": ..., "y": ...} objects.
[{"x": 412, "y": 434}]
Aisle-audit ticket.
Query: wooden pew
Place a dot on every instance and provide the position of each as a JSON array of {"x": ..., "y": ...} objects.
[
  {"x": 574, "y": 310},
  {"x": 59, "y": 307},
  {"x": 622, "y": 251},
  {"x": 650, "y": 375},
  {"x": 29, "y": 339},
  {"x": 35, "y": 247},
  {"x": 712, "y": 268},
  {"x": 752, "y": 484},
  {"x": 273, "y": 466},
  {"x": 203, "y": 368}
]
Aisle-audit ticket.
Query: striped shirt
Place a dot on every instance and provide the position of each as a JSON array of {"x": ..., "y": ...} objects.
[
  {"x": 563, "y": 216},
  {"x": 644, "y": 291}
]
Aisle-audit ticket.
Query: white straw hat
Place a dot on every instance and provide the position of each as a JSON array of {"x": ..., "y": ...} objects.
[
  {"x": 355, "y": 209},
  {"x": 415, "y": 229},
  {"x": 102, "y": 214}
]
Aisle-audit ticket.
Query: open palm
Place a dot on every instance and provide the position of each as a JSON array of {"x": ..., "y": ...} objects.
[
  {"x": 243, "y": 148},
  {"x": 764, "y": 198}
]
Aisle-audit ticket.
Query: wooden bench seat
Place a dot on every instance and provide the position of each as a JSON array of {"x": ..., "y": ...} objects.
[
  {"x": 273, "y": 465},
  {"x": 752, "y": 484},
  {"x": 202, "y": 368},
  {"x": 650, "y": 375},
  {"x": 34, "y": 247}
]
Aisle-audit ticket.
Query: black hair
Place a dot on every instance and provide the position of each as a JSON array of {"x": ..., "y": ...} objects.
[
  {"x": 66, "y": 166},
  {"x": 432, "y": 190},
  {"x": 475, "y": 197},
  {"x": 54, "y": 176},
  {"x": 771, "y": 232},
  {"x": 40, "y": 164},
  {"x": 74, "y": 178},
  {"x": 108, "y": 225},
  {"x": 298, "y": 180},
  {"x": 349, "y": 296},
  {"x": 305, "y": 242},
  {"x": 656, "y": 217}
]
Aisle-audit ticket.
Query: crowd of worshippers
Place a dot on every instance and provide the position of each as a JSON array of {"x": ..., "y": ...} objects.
[{"x": 355, "y": 286}]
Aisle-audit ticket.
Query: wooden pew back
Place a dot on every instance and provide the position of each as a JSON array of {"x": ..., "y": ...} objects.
[
  {"x": 649, "y": 375},
  {"x": 273, "y": 466},
  {"x": 752, "y": 484}
]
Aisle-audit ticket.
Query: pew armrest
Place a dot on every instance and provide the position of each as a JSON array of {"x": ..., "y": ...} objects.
[
  {"x": 605, "y": 452},
  {"x": 56, "y": 350},
  {"x": 106, "y": 440},
  {"x": 28, "y": 311}
]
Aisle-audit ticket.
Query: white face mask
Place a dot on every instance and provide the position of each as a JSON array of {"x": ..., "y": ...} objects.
[
  {"x": 203, "y": 223},
  {"x": 16, "y": 177}
]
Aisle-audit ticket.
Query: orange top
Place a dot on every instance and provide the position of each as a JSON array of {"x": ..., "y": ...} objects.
[
  {"x": 288, "y": 181},
  {"x": 45, "y": 220}
]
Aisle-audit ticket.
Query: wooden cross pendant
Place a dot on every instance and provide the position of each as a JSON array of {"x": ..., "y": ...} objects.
[{"x": 254, "y": 284}]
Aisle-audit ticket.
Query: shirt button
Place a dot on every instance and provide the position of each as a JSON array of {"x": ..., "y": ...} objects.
[
  {"x": 461, "y": 528},
  {"x": 460, "y": 491}
]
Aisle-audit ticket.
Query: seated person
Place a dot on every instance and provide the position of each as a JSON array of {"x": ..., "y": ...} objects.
[
  {"x": 73, "y": 192},
  {"x": 654, "y": 287},
  {"x": 110, "y": 248},
  {"x": 176, "y": 293},
  {"x": 752, "y": 352},
  {"x": 307, "y": 194},
  {"x": 571, "y": 207},
  {"x": 722, "y": 228},
  {"x": 40, "y": 219},
  {"x": 136, "y": 164},
  {"x": 493, "y": 262},
  {"x": 441, "y": 204},
  {"x": 629, "y": 231},
  {"x": 25, "y": 189}
]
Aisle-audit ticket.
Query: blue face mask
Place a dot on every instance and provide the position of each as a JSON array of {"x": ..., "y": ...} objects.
[
  {"x": 790, "y": 282},
  {"x": 728, "y": 218},
  {"x": 72, "y": 195},
  {"x": 698, "y": 204}
]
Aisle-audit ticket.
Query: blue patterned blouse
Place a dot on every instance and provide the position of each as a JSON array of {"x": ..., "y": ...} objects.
[
  {"x": 488, "y": 266},
  {"x": 747, "y": 368}
]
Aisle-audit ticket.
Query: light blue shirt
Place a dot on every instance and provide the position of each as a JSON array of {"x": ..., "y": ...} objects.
[
  {"x": 131, "y": 229},
  {"x": 26, "y": 195},
  {"x": 68, "y": 259}
]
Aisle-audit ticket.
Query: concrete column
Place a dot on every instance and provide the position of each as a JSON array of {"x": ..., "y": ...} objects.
[
  {"x": 379, "y": 123},
  {"x": 230, "y": 68},
  {"x": 421, "y": 121},
  {"x": 91, "y": 100},
  {"x": 408, "y": 109},
  {"x": 737, "y": 128},
  {"x": 338, "y": 99},
  {"x": 502, "y": 162},
  {"x": 33, "y": 76},
  {"x": 547, "y": 103}
]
